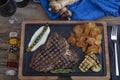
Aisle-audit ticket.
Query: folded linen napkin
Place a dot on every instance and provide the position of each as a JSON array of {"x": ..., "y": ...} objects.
[{"x": 87, "y": 9}]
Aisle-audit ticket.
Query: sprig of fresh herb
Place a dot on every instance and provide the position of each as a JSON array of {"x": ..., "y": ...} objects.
[{"x": 62, "y": 70}]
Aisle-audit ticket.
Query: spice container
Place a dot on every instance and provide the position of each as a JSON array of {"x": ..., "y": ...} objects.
[
  {"x": 12, "y": 57},
  {"x": 12, "y": 64}
]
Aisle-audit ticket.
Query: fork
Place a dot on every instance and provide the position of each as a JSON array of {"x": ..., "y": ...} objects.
[{"x": 114, "y": 38}]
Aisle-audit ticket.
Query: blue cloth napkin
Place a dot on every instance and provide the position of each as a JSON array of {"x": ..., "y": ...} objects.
[{"x": 87, "y": 9}]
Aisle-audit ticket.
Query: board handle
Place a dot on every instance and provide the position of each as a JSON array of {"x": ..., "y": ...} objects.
[{"x": 64, "y": 78}]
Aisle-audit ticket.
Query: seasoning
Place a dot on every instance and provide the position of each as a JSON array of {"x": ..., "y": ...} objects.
[
  {"x": 13, "y": 48},
  {"x": 12, "y": 64},
  {"x": 13, "y": 41},
  {"x": 13, "y": 34},
  {"x": 11, "y": 72},
  {"x": 12, "y": 57}
]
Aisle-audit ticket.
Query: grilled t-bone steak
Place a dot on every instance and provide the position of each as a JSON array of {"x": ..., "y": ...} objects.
[{"x": 53, "y": 55}]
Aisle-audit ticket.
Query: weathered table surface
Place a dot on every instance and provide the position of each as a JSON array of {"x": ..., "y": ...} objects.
[{"x": 32, "y": 11}]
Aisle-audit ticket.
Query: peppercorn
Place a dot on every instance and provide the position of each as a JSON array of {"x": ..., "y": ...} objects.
[{"x": 13, "y": 48}]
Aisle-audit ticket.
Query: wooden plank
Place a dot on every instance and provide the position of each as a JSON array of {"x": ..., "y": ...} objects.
[{"x": 107, "y": 77}]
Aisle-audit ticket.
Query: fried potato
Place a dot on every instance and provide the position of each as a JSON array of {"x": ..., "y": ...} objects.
[
  {"x": 78, "y": 30},
  {"x": 99, "y": 37},
  {"x": 97, "y": 42},
  {"x": 92, "y": 49},
  {"x": 72, "y": 39},
  {"x": 88, "y": 27},
  {"x": 88, "y": 37},
  {"x": 90, "y": 40}
]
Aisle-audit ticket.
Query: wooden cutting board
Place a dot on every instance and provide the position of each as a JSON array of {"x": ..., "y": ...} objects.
[{"x": 29, "y": 77}]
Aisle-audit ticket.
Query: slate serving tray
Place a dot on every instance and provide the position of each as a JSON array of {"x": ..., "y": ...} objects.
[{"x": 64, "y": 28}]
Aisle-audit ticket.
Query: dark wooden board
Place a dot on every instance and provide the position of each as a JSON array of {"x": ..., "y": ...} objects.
[{"x": 22, "y": 67}]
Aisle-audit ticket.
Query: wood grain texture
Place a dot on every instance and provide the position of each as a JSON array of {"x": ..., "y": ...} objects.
[
  {"x": 107, "y": 77},
  {"x": 31, "y": 12}
]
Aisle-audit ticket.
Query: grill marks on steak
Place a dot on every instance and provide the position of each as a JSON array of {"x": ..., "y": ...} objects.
[{"x": 53, "y": 55}]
